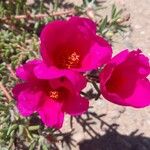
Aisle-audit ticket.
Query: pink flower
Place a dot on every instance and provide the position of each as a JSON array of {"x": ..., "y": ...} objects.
[
  {"x": 50, "y": 98},
  {"x": 72, "y": 45},
  {"x": 124, "y": 79}
]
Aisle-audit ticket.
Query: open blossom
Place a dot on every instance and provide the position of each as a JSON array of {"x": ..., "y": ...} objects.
[
  {"x": 124, "y": 79},
  {"x": 71, "y": 46},
  {"x": 49, "y": 98}
]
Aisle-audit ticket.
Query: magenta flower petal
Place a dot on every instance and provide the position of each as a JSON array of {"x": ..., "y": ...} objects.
[
  {"x": 98, "y": 55},
  {"x": 77, "y": 106},
  {"x": 18, "y": 88},
  {"x": 49, "y": 96},
  {"x": 73, "y": 103},
  {"x": 51, "y": 113},
  {"x": 78, "y": 81},
  {"x": 83, "y": 22},
  {"x": 42, "y": 71},
  {"x": 141, "y": 62},
  {"x": 141, "y": 95},
  {"x": 49, "y": 38},
  {"x": 124, "y": 77},
  {"x": 120, "y": 57},
  {"x": 28, "y": 98},
  {"x": 77, "y": 48},
  {"x": 25, "y": 72}
]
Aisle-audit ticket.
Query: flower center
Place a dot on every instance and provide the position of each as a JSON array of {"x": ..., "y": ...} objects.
[
  {"x": 67, "y": 59},
  {"x": 54, "y": 94},
  {"x": 72, "y": 60},
  {"x": 59, "y": 94}
]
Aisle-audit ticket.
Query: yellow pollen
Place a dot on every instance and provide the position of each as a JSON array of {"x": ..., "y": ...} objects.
[
  {"x": 73, "y": 60},
  {"x": 54, "y": 94}
]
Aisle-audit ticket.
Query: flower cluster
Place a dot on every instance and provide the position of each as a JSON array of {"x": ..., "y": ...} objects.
[{"x": 51, "y": 86}]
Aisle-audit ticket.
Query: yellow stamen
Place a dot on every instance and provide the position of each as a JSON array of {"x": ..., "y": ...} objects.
[
  {"x": 54, "y": 94},
  {"x": 73, "y": 60}
]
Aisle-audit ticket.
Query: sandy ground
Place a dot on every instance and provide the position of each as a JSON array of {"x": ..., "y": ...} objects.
[
  {"x": 139, "y": 35},
  {"x": 121, "y": 128}
]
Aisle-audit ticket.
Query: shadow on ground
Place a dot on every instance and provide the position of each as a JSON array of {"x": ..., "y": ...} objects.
[{"x": 112, "y": 140}]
